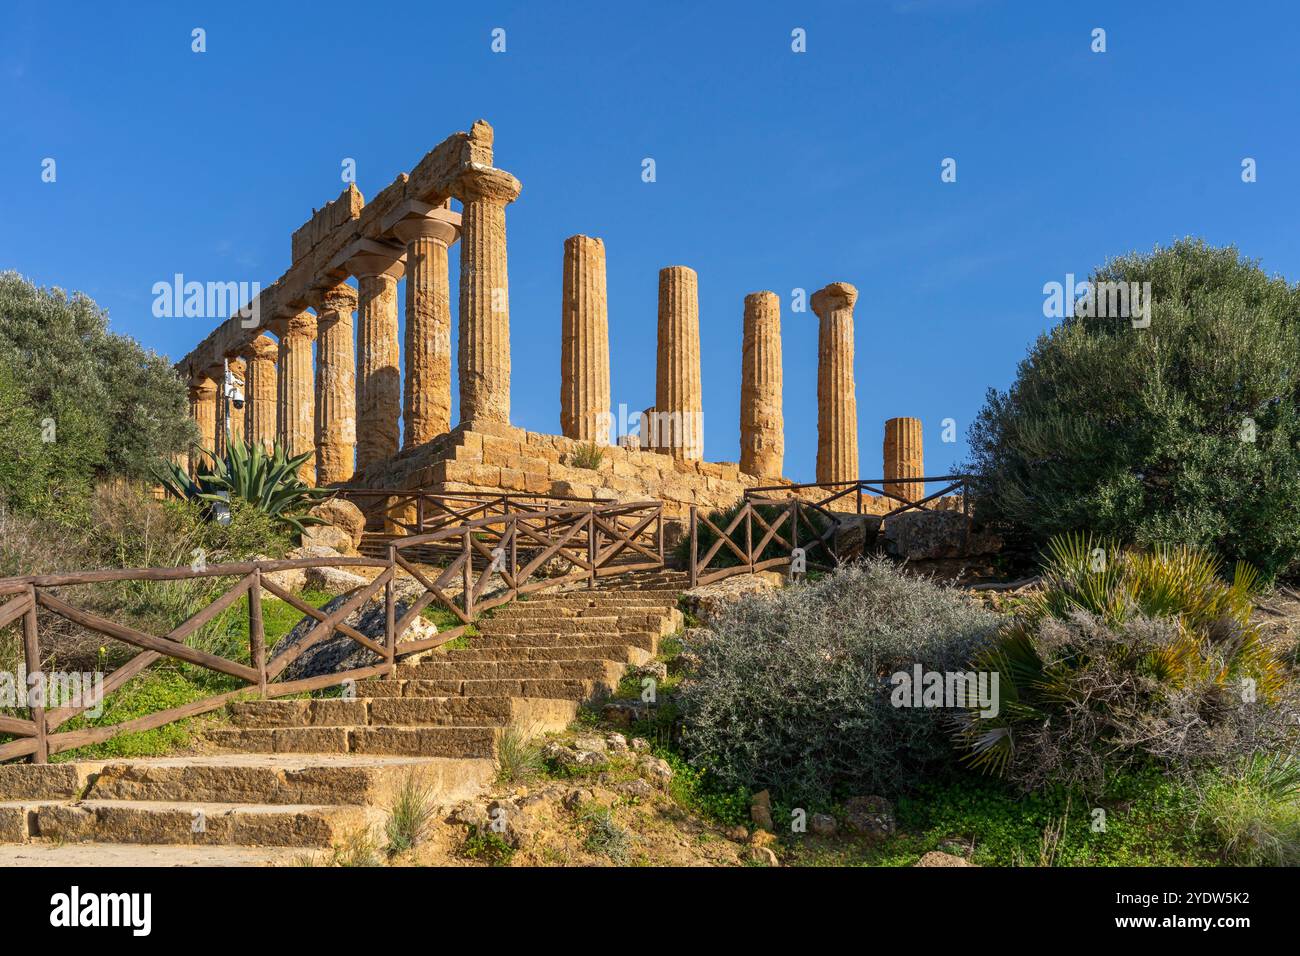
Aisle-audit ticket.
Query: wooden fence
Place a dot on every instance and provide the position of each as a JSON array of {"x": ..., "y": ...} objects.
[
  {"x": 589, "y": 540},
  {"x": 797, "y": 521}
]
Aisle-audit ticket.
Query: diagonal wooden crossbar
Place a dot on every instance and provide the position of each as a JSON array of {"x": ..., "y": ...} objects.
[{"x": 588, "y": 535}]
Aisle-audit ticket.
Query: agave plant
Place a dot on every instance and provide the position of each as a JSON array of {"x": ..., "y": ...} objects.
[
  {"x": 269, "y": 481},
  {"x": 1207, "y": 647}
]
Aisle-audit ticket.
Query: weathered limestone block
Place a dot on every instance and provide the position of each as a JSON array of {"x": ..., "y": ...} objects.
[
  {"x": 762, "y": 426},
  {"x": 584, "y": 344},
  {"x": 203, "y": 409},
  {"x": 296, "y": 407},
  {"x": 379, "y": 388},
  {"x": 484, "y": 340},
  {"x": 903, "y": 458},
  {"x": 427, "y": 388},
  {"x": 261, "y": 391},
  {"x": 837, "y": 404},
  {"x": 679, "y": 404},
  {"x": 336, "y": 363}
]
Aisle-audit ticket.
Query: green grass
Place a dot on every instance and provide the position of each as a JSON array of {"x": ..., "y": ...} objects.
[
  {"x": 171, "y": 684},
  {"x": 1149, "y": 821}
]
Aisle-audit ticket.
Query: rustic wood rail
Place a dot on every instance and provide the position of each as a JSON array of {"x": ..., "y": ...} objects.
[
  {"x": 819, "y": 519},
  {"x": 590, "y": 540}
]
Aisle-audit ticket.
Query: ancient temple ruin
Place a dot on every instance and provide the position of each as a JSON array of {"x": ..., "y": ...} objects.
[{"x": 350, "y": 397}]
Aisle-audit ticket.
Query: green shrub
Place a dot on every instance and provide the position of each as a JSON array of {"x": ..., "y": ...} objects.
[
  {"x": 792, "y": 690},
  {"x": 1137, "y": 434},
  {"x": 1125, "y": 659},
  {"x": 99, "y": 405}
]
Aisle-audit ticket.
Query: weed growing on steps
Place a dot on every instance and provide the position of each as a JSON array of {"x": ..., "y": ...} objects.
[
  {"x": 519, "y": 759},
  {"x": 588, "y": 456},
  {"x": 411, "y": 816}
]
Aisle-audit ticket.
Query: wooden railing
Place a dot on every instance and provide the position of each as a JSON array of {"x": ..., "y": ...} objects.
[
  {"x": 590, "y": 540},
  {"x": 812, "y": 525},
  {"x": 396, "y": 513},
  {"x": 840, "y": 490}
]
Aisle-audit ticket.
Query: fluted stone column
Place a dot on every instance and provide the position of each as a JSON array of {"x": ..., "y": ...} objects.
[
  {"x": 484, "y": 344},
  {"x": 296, "y": 404},
  {"x": 903, "y": 458},
  {"x": 584, "y": 343},
  {"x": 762, "y": 427},
  {"x": 837, "y": 403},
  {"x": 203, "y": 409},
  {"x": 336, "y": 385},
  {"x": 427, "y": 387},
  {"x": 235, "y": 416},
  {"x": 379, "y": 388},
  {"x": 679, "y": 406},
  {"x": 261, "y": 391}
]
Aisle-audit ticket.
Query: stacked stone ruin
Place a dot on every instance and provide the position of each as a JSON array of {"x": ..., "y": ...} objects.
[{"x": 349, "y": 398}]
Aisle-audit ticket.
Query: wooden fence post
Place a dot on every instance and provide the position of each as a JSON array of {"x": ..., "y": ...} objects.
[
  {"x": 468, "y": 551},
  {"x": 749, "y": 534},
  {"x": 695, "y": 543},
  {"x": 32, "y": 657},
  {"x": 390, "y": 614},
  {"x": 591, "y": 545},
  {"x": 257, "y": 632}
]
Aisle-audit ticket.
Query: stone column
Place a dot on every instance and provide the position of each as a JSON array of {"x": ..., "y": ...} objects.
[
  {"x": 679, "y": 406},
  {"x": 235, "y": 416},
  {"x": 261, "y": 391},
  {"x": 762, "y": 428},
  {"x": 203, "y": 409},
  {"x": 484, "y": 342},
  {"x": 427, "y": 389},
  {"x": 903, "y": 458},
  {"x": 837, "y": 403},
  {"x": 584, "y": 343},
  {"x": 295, "y": 422},
  {"x": 336, "y": 385},
  {"x": 379, "y": 385}
]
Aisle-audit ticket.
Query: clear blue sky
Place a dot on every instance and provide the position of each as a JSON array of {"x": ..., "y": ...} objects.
[{"x": 775, "y": 170}]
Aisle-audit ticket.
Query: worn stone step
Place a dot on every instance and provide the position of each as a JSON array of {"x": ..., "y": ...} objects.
[
  {"x": 621, "y": 653},
  {"x": 579, "y": 625},
  {"x": 591, "y": 669},
  {"x": 269, "y": 778},
  {"x": 645, "y": 640},
  {"x": 555, "y": 689},
  {"x": 225, "y": 823},
  {"x": 407, "y": 741},
  {"x": 548, "y": 715}
]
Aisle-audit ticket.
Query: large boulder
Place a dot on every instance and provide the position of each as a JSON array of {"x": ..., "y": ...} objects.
[
  {"x": 708, "y": 601},
  {"x": 328, "y": 536},
  {"x": 344, "y": 515},
  {"x": 921, "y": 535},
  {"x": 339, "y": 652}
]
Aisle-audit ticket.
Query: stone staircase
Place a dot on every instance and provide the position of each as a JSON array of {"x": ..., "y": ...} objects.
[{"x": 307, "y": 773}]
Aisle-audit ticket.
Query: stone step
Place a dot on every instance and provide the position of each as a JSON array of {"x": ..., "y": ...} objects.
[
  {"x": 569, "y": 612},
  {"x": 591, "y": 669},
  {"x": 621, "y": 653},
  {"x": 553, "y": 689},
  {"x": 541, "y": 714},
  {"x": 644, "y": 640},
  {"x": 476, "y": 742},
  {"x": 266, "y": 778},
  {"x": 577, "y": 625},
  {"x": 200, "y": 823}
]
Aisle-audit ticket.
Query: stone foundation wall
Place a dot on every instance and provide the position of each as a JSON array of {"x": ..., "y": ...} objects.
[{"x": 495, "y": 458}]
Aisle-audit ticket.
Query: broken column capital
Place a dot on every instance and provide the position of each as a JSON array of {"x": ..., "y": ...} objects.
[
  {"x": 262, "y": 347},
  {"x": 476, "y": 182},
  {"x": 299, "y": 325},
  {"x": 836, "y": 296}
]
